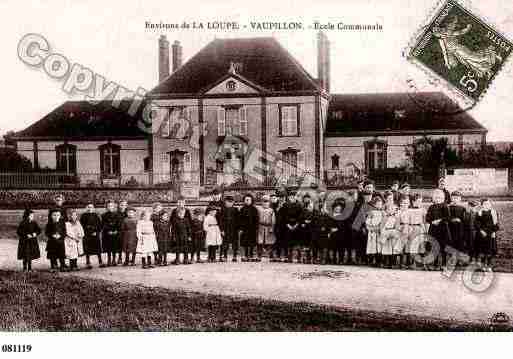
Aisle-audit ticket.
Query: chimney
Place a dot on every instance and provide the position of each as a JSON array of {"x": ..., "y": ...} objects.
[
  {"x": 177, "y": 55},
  {"x": 163, "y": 58},
  {"x": 323, "y": 61}
]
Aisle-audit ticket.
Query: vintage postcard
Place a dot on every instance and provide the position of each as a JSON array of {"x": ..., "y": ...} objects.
[{"x": 254, "y": 167}]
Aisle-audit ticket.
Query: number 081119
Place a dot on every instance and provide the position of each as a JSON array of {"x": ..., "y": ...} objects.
[{"x": 16, "y": 348}]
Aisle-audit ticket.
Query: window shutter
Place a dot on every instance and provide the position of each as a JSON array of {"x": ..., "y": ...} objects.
[
  {"x": 164, "y": 117},
  {"x": 187, "y": 166},
  {"x": 188, "y": 113},
  {"x": 385, "y": 151},
  {"x": 102, "y": 160},
  {"x": 58, "y": 157},
  {"x": 285, "y": 121},
  {"x": 234, "y": 124},
  {"x": 73, "y": 161},
  {"x": 117, "y": 161},
  {"x": 243, "y": 121},
  {"x": 294, "y": 130},
  {"x": 221, "y": 122},
  {"x": 186, "y": 121},
  {"x": 301, "y": 163}
]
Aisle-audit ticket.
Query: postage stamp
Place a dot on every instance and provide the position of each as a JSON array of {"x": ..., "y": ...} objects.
[{"x": 461, "y": 49}]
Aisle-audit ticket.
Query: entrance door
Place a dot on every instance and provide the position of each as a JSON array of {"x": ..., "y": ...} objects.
[{"x": 176, "y": 167}]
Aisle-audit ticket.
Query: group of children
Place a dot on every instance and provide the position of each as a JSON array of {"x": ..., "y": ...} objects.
[{"x": 392, "y": 229}]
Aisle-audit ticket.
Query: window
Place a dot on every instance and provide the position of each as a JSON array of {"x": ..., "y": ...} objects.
[
  {"x": 243, "y": 121},
  {"x": 221, "y": 122},
  {"x": 375, "y": 155},
  {"x": 180, "y": 166},
  {"x": 289, "y": 120},
  {"x": 177, "y": 125},
  {"x": 66, "y": 158},
  {"x": 147, "y": 164},
  {"x": 110, "y": 163},
  {"x": 293, "y": 164},
  {"x": 229, "y": 167},
  {"x": 335, "y": 162},
  {"x": 232, "y": 121}
]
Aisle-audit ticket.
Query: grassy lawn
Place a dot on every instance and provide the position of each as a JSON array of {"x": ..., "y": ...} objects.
[{"x": 49, "y": 302}]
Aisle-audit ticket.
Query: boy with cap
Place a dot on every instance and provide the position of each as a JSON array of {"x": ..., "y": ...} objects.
[
  {"x": 111, "y": 233},
  {"x": 447, "y": 194},
  {"x": 229, "y": 229},
  {"x": 248, "y": 226},
  {"x": 56, "y": 232},
  {"x": 198, "y": 234},
  {"x": 181, "y": 220},
  {"x": 471, "y": 230},
  {"x": 438, "y": 218},
  {"x": 360, "y": 229},
  {"x": 92, "y": 225},
  {"x": 289, "y": 216},
  {"x": 349, "y": 242},
  {"x": 369, "y": 186},
  {"x": 395, "y": 191},
  {"x": 488, "y": 226},
  {"x": 59, "y": 206},
  {"x": 217, "y": 202},
  {"x": 157, "y": 210},
  {"x": 129, "y": 236},
  {"x": 457, "y": 215},
  {"x": 276, "y": 205},
  {"x": 266, "y": 222},
  {"x": 404, "y": 191},
  {"x": 417, "y": 233}
]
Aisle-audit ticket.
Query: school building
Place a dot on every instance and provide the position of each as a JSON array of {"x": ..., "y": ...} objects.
[{"x": 236, "y": 95}]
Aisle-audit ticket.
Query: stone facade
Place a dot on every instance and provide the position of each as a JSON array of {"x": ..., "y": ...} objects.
[
  {"x": 262, "y": 117},
  {"x": 132, "y": 159},
  {"x": 352, "y": 149}
]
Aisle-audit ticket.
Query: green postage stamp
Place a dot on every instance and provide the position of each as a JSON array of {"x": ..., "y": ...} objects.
[{"x": 462, "y": 49}]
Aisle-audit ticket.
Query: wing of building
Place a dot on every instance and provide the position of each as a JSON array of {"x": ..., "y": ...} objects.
[{"x": 240, "y": 111}]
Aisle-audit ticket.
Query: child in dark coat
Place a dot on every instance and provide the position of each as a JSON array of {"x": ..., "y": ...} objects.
[
  {"x": 308, "y": 224},
  {"x": 92, "y": 225},
  {"x": 229, "y": 224},
  {"x": 471, "y": 229},
  {"x": 129, "y": 237},
  {"x": 438, "y": 218},
  {"x": 359, "y": 228},
  {"x": 325, "y": 228},
  {"x": 163, "y": 233},
  {"x": 289, "y": 216},
  {"x": 111, "y": 239},
  {"x": 198, "y": 234},
  {"x": 488, "y": 225},
  {"x": 56, "y": 233},
  {"x": 248, "y": 225},
  {"x": 28, "y": 247},
  {"x": 181, "y": 220},
  {"x": 157, "y": 210},
  {"x": 457, "y": 215}
]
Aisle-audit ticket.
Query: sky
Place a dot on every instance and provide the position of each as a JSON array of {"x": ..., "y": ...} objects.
[{"x": 111, "y": 39}]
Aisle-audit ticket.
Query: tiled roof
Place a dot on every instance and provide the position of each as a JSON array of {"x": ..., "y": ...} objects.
[
  {"x": 264, "y": 62},
  {"x": 423, "y": 111},
  {"x": 78, "y": 119}
]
